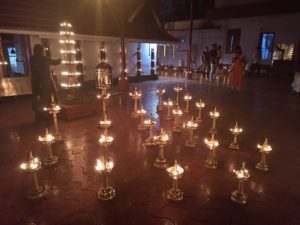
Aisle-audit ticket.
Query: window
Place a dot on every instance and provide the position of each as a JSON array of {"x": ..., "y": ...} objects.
[
  {"x": 266, "y": 42},
  {"x": 14, "y": 54},
  {"x": 232, "y": 39}
]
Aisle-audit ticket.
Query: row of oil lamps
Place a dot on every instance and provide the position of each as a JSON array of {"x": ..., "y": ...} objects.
[
  {"x": 105, "y": 164},
  {"x": 175, "y": 194}
]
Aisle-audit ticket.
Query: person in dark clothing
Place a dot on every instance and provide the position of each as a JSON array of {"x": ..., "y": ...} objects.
[
  {"x": 206, "y": 61},
  {"x": 41, "y": 81}
]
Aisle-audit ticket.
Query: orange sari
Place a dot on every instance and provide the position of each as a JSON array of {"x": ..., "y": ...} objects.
[{"x": 237, "y": 71}]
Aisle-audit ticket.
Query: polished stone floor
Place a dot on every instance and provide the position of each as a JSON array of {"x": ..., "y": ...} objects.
[{"x": 264, "y": 108}]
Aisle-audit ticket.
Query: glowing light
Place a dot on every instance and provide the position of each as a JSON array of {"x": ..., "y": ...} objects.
[{"x": 175, "y": 171}]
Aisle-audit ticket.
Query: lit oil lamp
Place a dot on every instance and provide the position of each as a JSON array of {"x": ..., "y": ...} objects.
[
  {"x": 214, "y": 115},
  {"x": 104, "y": 166},
  {"x": 162, "y": 140},
  {"x": 177, "y": 114},
  {"x": 135, "y": 95},
  {"x": 177, "y": 90},
  {"x": 168, "y": 104},
  {"x": 175, "y": 172},
  {"x": 236, "y": 132},
  {"x": 48, "y": 140},
  {"x": 141, "y": 112},
  {"x": 150, "y": 123},
  {"x": 187, "y": 99},
  {"x": 54, "y": 109},
  {"x": 32, "y": 166},
  {"x": 105, "y": 139},
  {"x": 242, "y": 175},
  {"x": 105, "y": 123},
  {"x": 160, "y": 92},
  {"x": 211, "y": 162},
  {"x": 264, "y": 149},
  {"x": 200, "y": 105},
  {"x": 191, "y": 125}
]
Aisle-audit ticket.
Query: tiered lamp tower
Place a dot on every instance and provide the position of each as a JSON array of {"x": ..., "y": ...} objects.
[
  {"x": 32, "y": 166},
  {"x": 136, "y": 96},
  {"x": 200, "y": 105},
  {"x": 162, "y": 140},
  {"x": 141, "y": 112},
  {"x": 177, "y": 90},
  {"x": 264, "y": 149},
  {"x": 168, "y": 104},
  {"x": 239, "y": 196},
  {"x": 160, "y": 92},
  {"x": 54, "y": 109},
  {"x": 214, "y": 116},
  {"x": 68, "y": 52},
  {"x": 177, "y": 114},
  {"x": 211, "y": 162},
  {"x": 150, "y": 141},
  {"x": 236, "y": 131},
  {"x": 191, "y": 125},
  {"x": 48, "y": 140},
  {"x": 175, "y": 172},
  {"x": 187, "y": 98}
]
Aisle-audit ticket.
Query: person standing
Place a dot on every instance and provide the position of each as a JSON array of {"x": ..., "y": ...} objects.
[
  {"x": 206, "y": 61},
  {"x": 213, "y": 61},
  {"x": 41, "y": 81},
  {"x": 219, "y": 55},
  {"x": 237, "y": 71}
]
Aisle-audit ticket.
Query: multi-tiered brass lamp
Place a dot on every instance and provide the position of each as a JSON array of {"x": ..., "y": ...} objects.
[
  {"x": 264, "y": 149},
  {"x": 160, "y": 92},
  {"x": 214, "y": 115},
  {"x": 104, "y": 166},
  {"x": 177, "y": 114},
  {"x": 141, "y": 112},
  {"x": 212, "y": 144},
  {"x": 239, "y": 196},
  {"x": 106, "y": 140},
  {"x": 169, "y": 105},
  {"x": 175, "y": 172},
  {"x": 191, "y": 125},
  {"x": 32, "y": 166},
  {"x": 161, "y": 140},
  {"x": 150, "y": 141},
  {"x": 200, "y": 105},
  {"x": 136, "y": 95},
  {"x": 236, "y": 131},
  {"x": 48, "y": 140},
  {"x": 187, "y": 98},
  {"x": 54, "y": 109},
  {"x": 177, "y": 90}
]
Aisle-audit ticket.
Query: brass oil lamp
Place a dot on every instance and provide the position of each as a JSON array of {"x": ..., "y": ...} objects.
[
  {"x": 161, "y": 140},
  {"x": 54, "y": 109},
  {"x": 136, "y": 96},
  {"x": 150, "y": 141},
  {"x": 239, "y": 196},
  {"x": 48, "y": 140},
  {"x": 169, "y": 105},
  {"x": 177, "y": 90},
  {"x": 160, "y": 92},
  {"x": 105, "y": 122},
  {"x": 211, "y": 162},
  {"x": 106, "y": 140},
  {"x": 187, "y": 98},
  {"x": 175, "y": 172},
  {"x": 141, "y": 112},
  {"x": 191, "y": 125},
  {"x": 236, "y": 131},
  {"x": 104, "y": 167},
  {"x": 200, "y": 105},
  {"x": 214, "y": 115},
  {"x": 177, "y": 114},
  {"x": 32, "y": 166},
  {"x": 264, "y": 149}
]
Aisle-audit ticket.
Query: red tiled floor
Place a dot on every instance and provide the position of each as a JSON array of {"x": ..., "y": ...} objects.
[{"x": 263, "y": 109}]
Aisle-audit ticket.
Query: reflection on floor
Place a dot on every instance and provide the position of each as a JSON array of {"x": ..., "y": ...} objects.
[{"x": 262, "y": 110}]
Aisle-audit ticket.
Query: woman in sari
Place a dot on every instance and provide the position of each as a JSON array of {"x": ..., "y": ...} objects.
[{"x": 237, "y": 72}]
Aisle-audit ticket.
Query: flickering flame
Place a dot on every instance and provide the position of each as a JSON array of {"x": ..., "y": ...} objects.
[
  {"x": 141, "y": 111},
  {"x": 187, "y": 97},
  {"x": 214, "y": 114},
  {"x": 104, "y": 165},
  {"x": 32, "y": 164},
  {"x": 149, "y": 122},
  {"x": 191, "y": 124},
  {"x": 136, "y": 93},
  {"x": 236, "y": 129},
  {"x": 177, "y": 112},
  {"x": 200, "y": 104},
  {"x": 105, "y": 122},
  {"x": 67, "y": 41},
  {"x": 71, "y": 62},
  {"x": 242, "y": 173},
  {"x": 105, "y": 139},
  {"x": 176, "y": 171},
  {"x": 162, "y": 138},
  {"x": 177, "y": 88},
  {"x": 65, "y": 24},
  {"x": 160, "y": 91},
  {"x": 265, "y": 147},
  {"x": 62, "y": 51},
  {"x": 212, "y": 143},
  {"x": 168, "y": 103},
  {"x": 66, "y": 73},
  {"x": 65, "y": 85},
  {"x": 63, "y": 32},
  {"x": 3, "y": 63}
]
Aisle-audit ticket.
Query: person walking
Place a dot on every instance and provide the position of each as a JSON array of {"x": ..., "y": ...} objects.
[
  {"x": 213, "y": 61},
  {"x": 206, "y": 61},
  {"x": 41, "y": 81},
  {"x": 237, "y": 71}
]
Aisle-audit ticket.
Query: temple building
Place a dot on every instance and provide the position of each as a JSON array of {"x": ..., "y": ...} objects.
[{"x": 149, "y": 112}]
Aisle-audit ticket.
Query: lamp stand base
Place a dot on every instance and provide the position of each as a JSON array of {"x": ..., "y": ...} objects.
[
  {"x": 37, "y": 193},
  {"x": 106, "y": 194},
  {"x": 240, "y": 198},
  {"x": 175, "y": 195}
]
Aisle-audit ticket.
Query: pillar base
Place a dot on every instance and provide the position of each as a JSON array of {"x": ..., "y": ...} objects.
[
  {"x": 106, "y": 194},
  {"x": 240, "y": 198},
  {"x": 36, "y": 194},
  {"x": 175, "y": 195}
]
